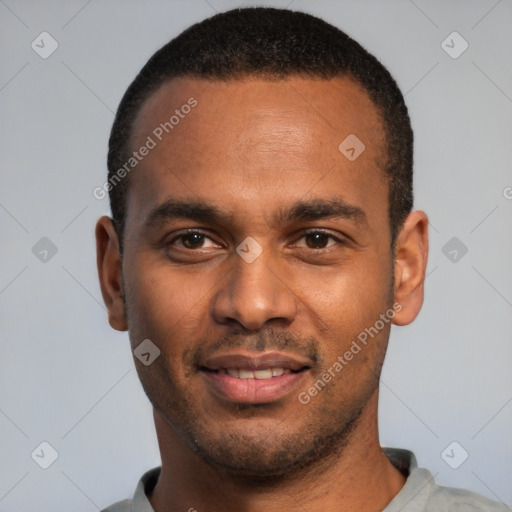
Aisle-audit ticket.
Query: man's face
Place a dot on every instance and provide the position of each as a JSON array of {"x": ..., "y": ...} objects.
[{"x": 263, "y": 156}]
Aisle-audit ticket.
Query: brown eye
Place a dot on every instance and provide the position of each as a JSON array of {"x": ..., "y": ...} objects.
[
  {"x": 192, "y": 240},
  {"x": 317, "y": 240}
]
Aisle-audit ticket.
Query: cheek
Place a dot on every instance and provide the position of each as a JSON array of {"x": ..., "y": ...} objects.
[
  {"x": 348, "y": 302},
  {"x": 352, "y": 293},
  {"x": 162, "y": 302}
]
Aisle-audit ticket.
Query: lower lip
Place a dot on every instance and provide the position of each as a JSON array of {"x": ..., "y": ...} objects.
[{"x": 253, "y": 391}]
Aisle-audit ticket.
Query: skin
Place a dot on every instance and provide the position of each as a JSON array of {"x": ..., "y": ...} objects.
[{"x": 254, "y": 148}]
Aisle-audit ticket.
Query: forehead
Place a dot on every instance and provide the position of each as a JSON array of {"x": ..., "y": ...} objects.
[
  {"x": 338, "y": 104},
  {"x": 256, "y": 139}
]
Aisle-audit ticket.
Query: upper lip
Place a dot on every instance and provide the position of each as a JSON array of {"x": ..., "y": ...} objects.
[{"x": 256, "y": 361}]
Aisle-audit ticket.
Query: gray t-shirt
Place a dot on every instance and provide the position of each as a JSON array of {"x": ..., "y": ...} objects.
[{"x": 419, "y": 494}]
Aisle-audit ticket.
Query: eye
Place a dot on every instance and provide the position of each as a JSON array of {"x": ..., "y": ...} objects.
[
  {"x": 318, "y": 240},
  {"x": 192, "y": 240}
]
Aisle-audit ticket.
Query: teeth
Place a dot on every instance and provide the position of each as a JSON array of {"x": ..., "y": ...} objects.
[{"x": 265, "y": 374}]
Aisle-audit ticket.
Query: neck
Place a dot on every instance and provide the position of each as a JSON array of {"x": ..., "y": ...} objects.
[{"x": 360, "y": 477}]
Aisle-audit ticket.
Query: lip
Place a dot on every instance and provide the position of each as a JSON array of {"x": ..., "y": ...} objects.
[
  {"x": 255, "y": 361},
  {"x": 254, "y": 391}
]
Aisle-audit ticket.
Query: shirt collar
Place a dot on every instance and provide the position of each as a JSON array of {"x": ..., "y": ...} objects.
[{"x": 140, "y": 502}]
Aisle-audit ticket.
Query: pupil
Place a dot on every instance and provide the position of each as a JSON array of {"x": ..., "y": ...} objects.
[
  {"x": 192, "y": 240},
  {"x": 315, "y": 239}
]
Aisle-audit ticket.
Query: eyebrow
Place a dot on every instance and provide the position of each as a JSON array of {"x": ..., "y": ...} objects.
[
  {"x": 315, "y": 209},
  {"x": 334, "y": 208},
  {"x": 183, "y": 209}
]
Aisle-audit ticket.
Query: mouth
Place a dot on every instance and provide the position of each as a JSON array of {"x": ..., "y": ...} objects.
[
  {"x": 253, "y": 378},
  {"x": 263, "y": 374}
]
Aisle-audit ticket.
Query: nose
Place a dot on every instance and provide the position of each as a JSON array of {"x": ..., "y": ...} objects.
[{"x": 254, "y": 295}]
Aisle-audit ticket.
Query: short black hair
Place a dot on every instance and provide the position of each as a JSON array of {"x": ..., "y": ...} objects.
[{"x": 273, "y": 44}]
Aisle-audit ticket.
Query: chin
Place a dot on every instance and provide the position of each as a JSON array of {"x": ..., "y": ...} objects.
[{"x": 269, "y": 457}]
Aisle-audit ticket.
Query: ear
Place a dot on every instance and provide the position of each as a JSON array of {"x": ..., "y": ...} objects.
[
  {"x": 108, "y": 260},
  {"x": 411, "y": 254}
]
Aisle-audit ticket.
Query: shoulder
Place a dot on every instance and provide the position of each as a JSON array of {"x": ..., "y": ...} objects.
[
  {"x": 139, "y": 502},
  {"x": 120, "y": 506},
  {"x": 458, "y": 500},
  {"x": 421, "y": 493}
]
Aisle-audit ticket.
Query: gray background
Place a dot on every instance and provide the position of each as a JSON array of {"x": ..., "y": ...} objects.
[{"x": 69, "y": 380}]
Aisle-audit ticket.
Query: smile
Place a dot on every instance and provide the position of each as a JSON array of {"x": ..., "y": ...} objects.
[
  {"x": 253, "y": 378},
  {"x": 263, "y": 374}
]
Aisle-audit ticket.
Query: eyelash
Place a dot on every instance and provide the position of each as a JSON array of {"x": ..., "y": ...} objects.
[{"x": 310, "y": 232}]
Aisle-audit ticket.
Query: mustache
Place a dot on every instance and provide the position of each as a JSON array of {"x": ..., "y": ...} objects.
[{"x": 270, "y": 339}]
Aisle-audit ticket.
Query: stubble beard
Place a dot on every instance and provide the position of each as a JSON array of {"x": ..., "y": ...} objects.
[{"x": 261, "y": 457}]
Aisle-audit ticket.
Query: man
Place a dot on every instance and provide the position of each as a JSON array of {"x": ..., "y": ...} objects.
[{"x": 262, "y": 244}]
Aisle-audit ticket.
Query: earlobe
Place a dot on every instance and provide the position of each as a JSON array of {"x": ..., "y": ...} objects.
[
  {"x": 108, "y": 261},
  {"x": 411, "y": 255}
]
